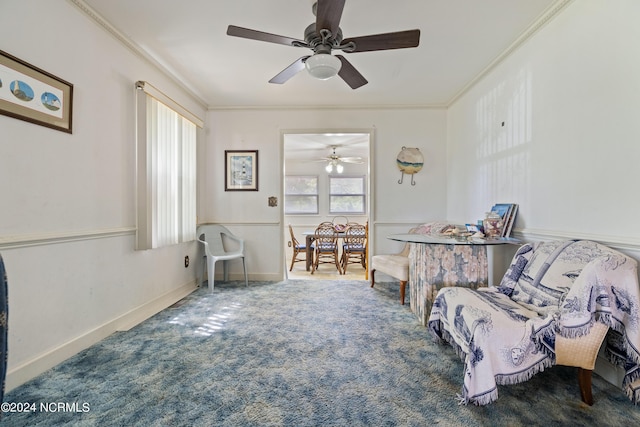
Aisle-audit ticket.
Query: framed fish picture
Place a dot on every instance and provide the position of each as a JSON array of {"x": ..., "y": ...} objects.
[{"x": 34, "y": 95}]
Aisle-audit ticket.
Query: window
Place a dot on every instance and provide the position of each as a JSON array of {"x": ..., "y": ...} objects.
[
  {"x": 346, "y": 194},
  {"x": 300, "y": 195},
  {"x": 166, "y": 163}
]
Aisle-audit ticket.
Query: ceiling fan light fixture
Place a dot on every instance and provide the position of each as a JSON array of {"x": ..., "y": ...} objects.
[
  {"x": 323, "y": 66},
  {"x": 339, "y": 168}
]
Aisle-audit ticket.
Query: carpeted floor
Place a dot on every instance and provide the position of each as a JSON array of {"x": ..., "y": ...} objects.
[{"x": 296, "y": 353}]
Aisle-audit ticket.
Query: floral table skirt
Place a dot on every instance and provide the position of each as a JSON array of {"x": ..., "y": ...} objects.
[{"x": 434, "y": 266}]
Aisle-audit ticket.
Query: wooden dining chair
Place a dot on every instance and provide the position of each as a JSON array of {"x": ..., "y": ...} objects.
[
  {"x": 297, "y": 247},
  {"x": 354, "y": 247},
  {"x": 326, "y": 247}
]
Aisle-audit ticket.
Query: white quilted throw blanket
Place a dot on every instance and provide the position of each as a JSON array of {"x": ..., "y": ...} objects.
[{"x": 506, "y": 335}]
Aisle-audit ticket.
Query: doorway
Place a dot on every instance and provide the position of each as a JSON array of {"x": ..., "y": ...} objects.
[{"x": 322, "y": 172}]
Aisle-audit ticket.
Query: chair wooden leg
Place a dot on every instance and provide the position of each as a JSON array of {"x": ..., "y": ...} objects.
[
  {"x": 373, "y": 272},
  {"x": 293, "y": 260},
  {"x": 584, "y": 380},
  {"x": 403, "y": 286}
]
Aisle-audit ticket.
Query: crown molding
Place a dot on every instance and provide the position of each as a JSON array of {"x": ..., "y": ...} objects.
[
  {"x": 550, "y": 13},
  {"x": 546, "y": 16},
  {"x": 137, "y": 50},
  {"x": 328, "y": 107}
]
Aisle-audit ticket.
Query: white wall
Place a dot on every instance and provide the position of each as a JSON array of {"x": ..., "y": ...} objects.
[
  {"x": 569, "y": 148},
  {"x": 395, "y": 209},
  {"x": 568, "y": 151},
  {"x": 67, "y": 222}
]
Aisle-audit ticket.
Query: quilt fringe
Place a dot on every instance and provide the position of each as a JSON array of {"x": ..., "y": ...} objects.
[
  {"x": 633, "y": 392},
  {"x": 485, "y": 399},
  {"x": 526, "y": 375},
  {"x": 502, "y": 379}
]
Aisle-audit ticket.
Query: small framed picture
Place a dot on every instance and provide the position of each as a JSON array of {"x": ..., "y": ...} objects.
[
  {"x": 241, "y": 170},
  {"x": 34, "y": 95}
]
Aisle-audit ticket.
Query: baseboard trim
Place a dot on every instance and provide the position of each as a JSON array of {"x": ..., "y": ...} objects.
[{"x": 29, "y": 370}]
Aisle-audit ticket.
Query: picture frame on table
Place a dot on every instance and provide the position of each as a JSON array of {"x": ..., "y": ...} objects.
[
  {"x": 241, "y": 170},
  {"x": 502, "y": 209},
  {"x": 31, "y": 94},
  {"x": 507, "y": 212},
  {"x": 508, "y": 226}
]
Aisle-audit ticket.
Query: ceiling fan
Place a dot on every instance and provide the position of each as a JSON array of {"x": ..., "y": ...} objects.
[
  {"x": 335, "y": 161},
  {"x": 322, "y": 37}
]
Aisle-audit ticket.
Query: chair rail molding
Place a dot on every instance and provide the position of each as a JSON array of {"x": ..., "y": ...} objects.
[
  {"x": 628, "y": 243},
  {"x": 22, "y": 241}
]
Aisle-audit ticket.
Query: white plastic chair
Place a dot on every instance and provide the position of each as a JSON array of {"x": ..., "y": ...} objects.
[{"x": 212, "y": 238}]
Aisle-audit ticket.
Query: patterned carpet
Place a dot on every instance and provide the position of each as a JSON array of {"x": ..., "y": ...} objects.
[{"x": 295, "y": 353}]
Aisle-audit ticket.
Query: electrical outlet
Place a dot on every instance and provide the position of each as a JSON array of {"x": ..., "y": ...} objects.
[{"x": 186, "y": 261}]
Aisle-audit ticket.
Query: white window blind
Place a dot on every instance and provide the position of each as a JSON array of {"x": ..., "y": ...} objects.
[
  {"x": 166, "y": 162},
  {"x": 346, "y": 194},
  {"x": 300, "y": 195}
]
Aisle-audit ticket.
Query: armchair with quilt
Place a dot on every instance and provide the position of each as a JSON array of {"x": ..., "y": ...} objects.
[{"x": 554, "y": 305}]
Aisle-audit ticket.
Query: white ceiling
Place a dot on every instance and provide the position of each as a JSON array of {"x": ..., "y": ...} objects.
[
  {"x": 459, "y": 39},
  {"x": 311, "y": 147}
]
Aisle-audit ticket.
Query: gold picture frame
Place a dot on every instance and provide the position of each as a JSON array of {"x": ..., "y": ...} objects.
[{"x": 34, "y": 95}]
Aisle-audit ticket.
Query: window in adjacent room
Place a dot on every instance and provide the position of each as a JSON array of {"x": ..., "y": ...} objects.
[
  {"x": 346, "y": 194},
  {"x": 300, "y": 195},
  {"x": 166, "y": 170}
]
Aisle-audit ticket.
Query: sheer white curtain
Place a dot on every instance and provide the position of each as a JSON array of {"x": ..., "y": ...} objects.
[{"x": 166, "y": 151}]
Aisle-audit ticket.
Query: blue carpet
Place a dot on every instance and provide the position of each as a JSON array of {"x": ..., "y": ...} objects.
[{"x": 295, "y": 353}]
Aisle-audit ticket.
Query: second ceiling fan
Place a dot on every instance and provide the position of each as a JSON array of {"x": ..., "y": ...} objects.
[
  {"x": 322, "y": 37},
  {"x": 335, "y": 161}
]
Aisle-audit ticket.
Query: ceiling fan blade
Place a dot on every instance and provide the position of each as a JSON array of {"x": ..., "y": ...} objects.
[
  {"x": 350, "y": 75},
  {"x": 328, "y": 15},
  {"x": 247, "y": 33},
  {"x": 290, "y": 71},
  {"x": 386, "y": 41}
]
